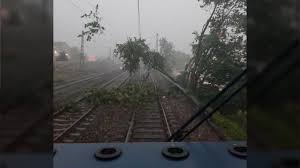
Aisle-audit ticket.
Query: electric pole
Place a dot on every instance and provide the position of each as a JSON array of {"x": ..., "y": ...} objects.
[
  {"x": 139, "y": 20},
  {"x": 156, "y": 42},
  {"x": 82, "y": 49}
]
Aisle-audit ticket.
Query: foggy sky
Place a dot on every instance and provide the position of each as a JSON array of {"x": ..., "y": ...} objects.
[{"x": 174, "y": 19}]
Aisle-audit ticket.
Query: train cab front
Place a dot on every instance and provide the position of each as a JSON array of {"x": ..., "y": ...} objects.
[{"x": 230, "y": 154}]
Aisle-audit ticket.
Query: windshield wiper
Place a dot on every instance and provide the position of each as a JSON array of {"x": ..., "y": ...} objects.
[{"x": 278, "y": 68}]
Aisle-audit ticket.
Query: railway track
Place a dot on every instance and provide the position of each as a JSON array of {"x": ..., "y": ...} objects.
[
  {"x": 28, "y": 134},
  {"x": 150, "y": 124},
  {"x": 70, "y": 92},
  {"x": 69, "y": 123},
  {"x": 208, "y": 130},
  {"x": 24, "y": 132},
  {"x": 77, "y": 81}
]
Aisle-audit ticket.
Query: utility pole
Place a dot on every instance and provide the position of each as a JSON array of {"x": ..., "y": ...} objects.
[
  {"x": 139, "y": 20},
  {"x": 82, "y": 49},
  {"x": 156, "y": 42},
  {"x": 110, "y": 56}
]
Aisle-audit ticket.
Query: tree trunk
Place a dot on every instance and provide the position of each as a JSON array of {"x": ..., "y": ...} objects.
[
  {"x": 204, "y": 30},
  {"x": 196, "y": 58}
]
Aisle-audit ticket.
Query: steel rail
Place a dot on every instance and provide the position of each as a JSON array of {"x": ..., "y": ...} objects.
[
  {"x": 90, "y": 110},
  {"x": 83, "y": 97},
  {"x": 74, "y": 123},
  {"x": 207, "y": 105},
  {"x": 161, "y": 107},
  {"x": 129, "y": 131},
  {"x": 165, "y": 120},
  {"x": 71, "y": 83},
  {"x": 195, "y": 102}
]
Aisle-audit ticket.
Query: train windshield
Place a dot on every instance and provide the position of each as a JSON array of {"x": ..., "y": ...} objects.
[{"x": 149, "y": 71}]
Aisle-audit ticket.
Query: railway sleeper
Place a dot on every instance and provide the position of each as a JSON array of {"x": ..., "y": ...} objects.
[
  {"x": 148, "y": 125},
  {"x": 148, "y": 131}
]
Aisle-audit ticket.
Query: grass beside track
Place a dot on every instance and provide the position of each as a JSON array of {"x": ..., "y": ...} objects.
[
  {"x": 231, "y": 125},
  {"x": 231, "y": 128},
  {"x": 129, "y": 95}
]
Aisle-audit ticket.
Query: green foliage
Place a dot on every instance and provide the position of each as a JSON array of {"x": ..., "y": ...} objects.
[
  {"x": 154, "y": 60},
  {"x": 131, "y": 52},
  {"x": 132, "y": 95},
  {"x": 239, "y": 117},
  {"x": 167, "y": 51},
  {"x": 174, "y": 60},
  {"x": 71, "y": 107},
  {"x": 136, "y": 50},
  {"x": 93, "y": 25},
  {"x": 232, "y": 129},
  {"x": 237, "y": 104},
  {"x": 220, "y": 54}
]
